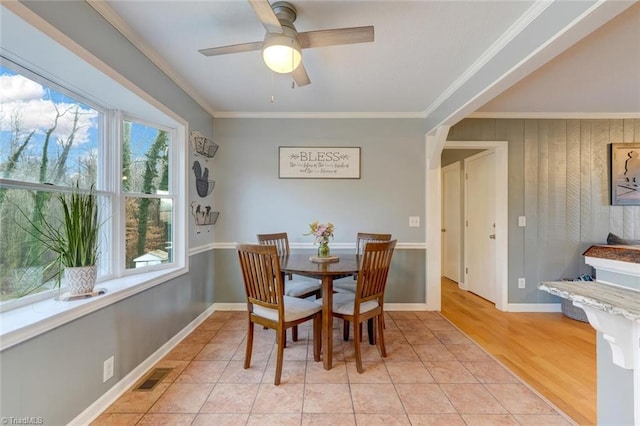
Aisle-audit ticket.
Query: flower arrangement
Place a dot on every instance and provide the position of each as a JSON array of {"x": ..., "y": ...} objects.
[{"x": 321, "y": 232}]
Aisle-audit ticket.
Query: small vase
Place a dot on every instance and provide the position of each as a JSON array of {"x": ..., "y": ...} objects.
[{"x": 323, "y": 250}]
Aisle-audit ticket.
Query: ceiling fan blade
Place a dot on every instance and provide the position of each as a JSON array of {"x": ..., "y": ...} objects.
[
  {"x": 234, "y": 48},
  {"x": 336, "y": 36},
  {"x": 300, "y": 76},
  {"x": 265, "y": 14}
]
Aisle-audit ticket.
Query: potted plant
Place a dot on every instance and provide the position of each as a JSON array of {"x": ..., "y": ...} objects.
[{"x": 74, "y": 241}]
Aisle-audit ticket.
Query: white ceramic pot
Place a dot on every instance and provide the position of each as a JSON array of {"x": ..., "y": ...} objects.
[{"x": 80, "y": 280}]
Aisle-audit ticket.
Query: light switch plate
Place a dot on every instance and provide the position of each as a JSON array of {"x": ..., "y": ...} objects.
[{"x": 522, "y": 221}]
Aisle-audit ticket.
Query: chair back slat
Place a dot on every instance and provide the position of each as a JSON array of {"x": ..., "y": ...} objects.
[
  {"x": 260, "y": 267},
  {"x": 280, "y": 240},
  {"x": 363, "y": 238},
  {"x": 374, "y": 270}
]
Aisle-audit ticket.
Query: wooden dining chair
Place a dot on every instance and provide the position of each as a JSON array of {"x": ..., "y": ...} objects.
[
  {"x": 367, "y": 303},
  {"x": 269, "y": 306},
  {"x": 362, "y": 238}
]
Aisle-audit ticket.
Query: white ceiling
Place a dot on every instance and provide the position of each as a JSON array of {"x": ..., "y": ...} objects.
[{"x": 435, "y": 59}]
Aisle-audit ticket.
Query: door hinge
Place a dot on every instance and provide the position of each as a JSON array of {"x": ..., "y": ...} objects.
[{"x": 466, "y": 270}]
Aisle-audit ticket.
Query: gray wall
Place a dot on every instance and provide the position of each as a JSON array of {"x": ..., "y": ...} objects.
[
  {"x": 58, "y": 374},
  {"x": 558, "y": 179},
  {"x": 615, "y": 389},
  {"x": 254, "y": 200}
]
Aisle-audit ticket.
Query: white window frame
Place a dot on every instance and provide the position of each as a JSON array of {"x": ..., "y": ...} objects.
[{"x": 124, "y": 99}]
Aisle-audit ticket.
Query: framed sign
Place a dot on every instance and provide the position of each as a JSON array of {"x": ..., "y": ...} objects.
[
  {"x": 306, "y": 162},
  {"x": 625, "y": 174}
]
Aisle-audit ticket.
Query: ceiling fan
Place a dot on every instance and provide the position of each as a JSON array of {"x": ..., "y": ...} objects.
[{"x": 283, "y": 44}]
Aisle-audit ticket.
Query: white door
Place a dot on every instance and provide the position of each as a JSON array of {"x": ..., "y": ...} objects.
[
  {"x": 451, "y": 212},
  {"x": 480, "y": 225}
]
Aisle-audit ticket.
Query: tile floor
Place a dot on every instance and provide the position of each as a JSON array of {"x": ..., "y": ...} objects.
[{"x": 432, "y": 375}]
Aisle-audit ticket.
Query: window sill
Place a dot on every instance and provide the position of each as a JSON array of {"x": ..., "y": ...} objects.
[{"x": 21, "y": 324}]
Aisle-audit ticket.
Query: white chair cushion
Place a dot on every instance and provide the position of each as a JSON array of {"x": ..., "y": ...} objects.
[
  {"x": 344, "y": 303},
  {"x": 294, "y": 309},
  {"x": 345, "y": 285},
  {"x": 297, "y": 287}
]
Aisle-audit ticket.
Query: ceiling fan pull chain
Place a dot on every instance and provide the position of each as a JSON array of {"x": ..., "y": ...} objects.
[{"x": 273, "y": 97}]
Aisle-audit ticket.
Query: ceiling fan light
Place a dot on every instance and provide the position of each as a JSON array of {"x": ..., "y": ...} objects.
[{"x": 281, "y": 53}]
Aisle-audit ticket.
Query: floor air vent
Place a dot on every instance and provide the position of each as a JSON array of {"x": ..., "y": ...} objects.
[{"x": 153, "y": 378}]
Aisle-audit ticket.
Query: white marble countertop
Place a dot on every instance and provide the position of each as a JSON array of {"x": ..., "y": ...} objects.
[{"x": 604, "y": 297}]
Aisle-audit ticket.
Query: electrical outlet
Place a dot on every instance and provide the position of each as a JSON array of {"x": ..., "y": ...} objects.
[
  {"x": 107, "y": 369},
  {"x": 521, "y": 283},
  {"x": 522, "y": 221},
  {"x": 414, "y": 221}
]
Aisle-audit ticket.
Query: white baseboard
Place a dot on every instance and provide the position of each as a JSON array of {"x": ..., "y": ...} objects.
[
  {"x": 230, "y": 306},
  {"x": 534, "y": 307},
  {"x": 109, "y": 397}
]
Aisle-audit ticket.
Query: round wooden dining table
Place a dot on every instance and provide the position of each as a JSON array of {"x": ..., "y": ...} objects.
[{"x": 347, "y": 265}]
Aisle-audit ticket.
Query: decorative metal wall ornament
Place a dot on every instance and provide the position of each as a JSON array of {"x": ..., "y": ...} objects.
[
  {"x": 202, "y": 145},
  {"x": 204, "y": 186}
]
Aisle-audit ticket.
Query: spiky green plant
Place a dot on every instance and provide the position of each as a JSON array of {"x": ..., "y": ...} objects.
[{"x": 75, "y": 240}]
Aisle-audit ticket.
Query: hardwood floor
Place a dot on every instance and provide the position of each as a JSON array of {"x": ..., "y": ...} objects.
[{"x": 552, "y": 353}]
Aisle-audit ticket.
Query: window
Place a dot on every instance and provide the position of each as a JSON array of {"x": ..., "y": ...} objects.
[{"x": 51, "y": 139}]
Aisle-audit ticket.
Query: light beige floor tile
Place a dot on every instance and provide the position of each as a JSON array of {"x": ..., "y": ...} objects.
[
  {"x": 391, "y": 336},
  {"x": 138, "y": 402},
  {"x": 420, "y": 337},
  {"x": 184, "y": 351},
  {"x": 231, "y": 398},
  {"x": 117, "y": 419},
  {"x": 274, "y": 419},
  {"x": 200, "y": 336},
  {"x": 317, "y": 374},
  {"x": 468, "y": 352},
  {"x": 313, "y": 419},
  {"x": 401, "y": 315},
  {"x": 428, "y": 316},
  {"x": 182, "y": 398},
  {"x": 375, "y": 398},
  {"x": 409, "y": 372},
  {"x": 236, "y": 373},
  {"x": 167, "y": 419},
  {"x": 227, "y": 335},
  {"x": 541, "y": 419},
  {"x": 424, "y": 399},
  {"x": 434, "y": 352},
  {"x": 439, "y": 324},
  {"x": 367, "y": 352},
  {"x": 279, "y": 399},
  {"x": 409, "y": 324},
  {"x": 489, "y": 420},
  {"x": 374, "y": 372},
  {"x": 236, "y": 323},
  {"x": 490, "y": 372},
  {"x": 472, "y": 398},
  {"x": 449, "y": 372},
  {"x": 212, "y": 323},
  {"x": 221, "y": 420},
  {"x": 327, "y": 398},
  {"x": 453, "y": 337},
  {"x": 400, "y": 351},
  {"x": 381, "y": 419},
  {"x": 259, "y": 351},
  {"x": 436, "y": 420},
  {"x": 292, "y": 372},
  {"x": 518, "y": 399},
  {"x": 217, "y": 351},
  {"x": 202, "y": 372}
]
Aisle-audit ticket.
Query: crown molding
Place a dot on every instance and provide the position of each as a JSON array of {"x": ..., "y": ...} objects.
[
  {"x": 321, "y": 115},
  {"x": 557, "y": 115}
]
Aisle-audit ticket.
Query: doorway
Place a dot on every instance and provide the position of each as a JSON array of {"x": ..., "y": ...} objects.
[
  {"x": 434, "y": 225},
  {"x": 451, "y": 217}
]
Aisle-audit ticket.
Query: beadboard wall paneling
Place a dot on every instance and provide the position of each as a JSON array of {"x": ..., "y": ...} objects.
[{"x": 559, "y": 180}]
